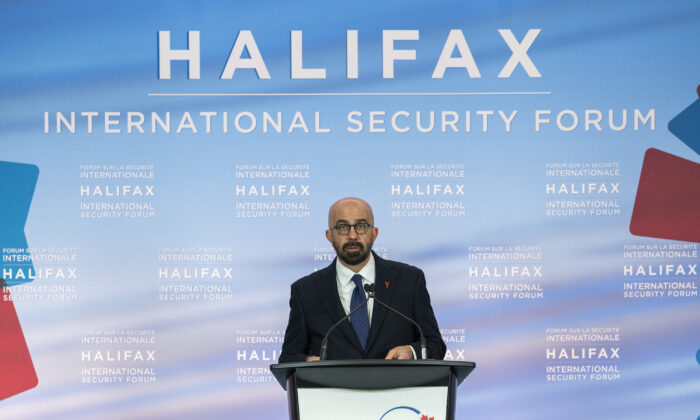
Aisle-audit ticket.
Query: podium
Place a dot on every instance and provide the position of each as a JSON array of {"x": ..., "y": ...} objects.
[{"x": 372, "y": 389}]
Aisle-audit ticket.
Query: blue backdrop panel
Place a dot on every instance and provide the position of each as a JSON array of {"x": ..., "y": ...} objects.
[{"x": 499, "y": 143}]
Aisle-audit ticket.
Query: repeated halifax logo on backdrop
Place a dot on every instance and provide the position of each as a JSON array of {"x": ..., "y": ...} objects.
[
  {"x": 505, "y": 272},
  {"x": 582, "y": 188},
  {"x": 123, "y": 191},
  {"x": 53, "y": 281},
  {"x": 427, "y": 189},
  {"x": 272, "y": 191},
  {"x": 195, "y": 274},
  {"x": 583, "y": 354},
  {"x": 660, "y": 270},
  {"x": 115, "y": 356}
]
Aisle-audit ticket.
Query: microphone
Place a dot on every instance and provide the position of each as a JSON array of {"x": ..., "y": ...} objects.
[
  {"x": 369, "y": 288},
  {"x": 324, "y": 342}
]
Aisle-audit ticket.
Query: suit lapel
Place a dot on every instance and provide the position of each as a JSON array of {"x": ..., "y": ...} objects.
[
  {"x": 385, "y": 283},
  {"x": 327, "y": 288}
]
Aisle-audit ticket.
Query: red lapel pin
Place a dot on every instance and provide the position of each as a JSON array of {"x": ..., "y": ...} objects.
[{"x": 386, "y": 283}]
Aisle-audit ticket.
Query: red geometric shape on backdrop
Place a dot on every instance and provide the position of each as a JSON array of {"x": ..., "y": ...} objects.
[
  {"x": 668, "y": 198},
  {"x": 16, "y": 368}
]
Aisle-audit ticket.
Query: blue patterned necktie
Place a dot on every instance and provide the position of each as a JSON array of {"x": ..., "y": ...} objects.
[{"x": 360, "y": 319}]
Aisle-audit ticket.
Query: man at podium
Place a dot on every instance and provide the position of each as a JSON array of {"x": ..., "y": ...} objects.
[{"x": 321, "y": 299}]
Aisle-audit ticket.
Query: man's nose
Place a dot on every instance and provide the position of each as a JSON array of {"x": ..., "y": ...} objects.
[{"x": 352, "y": 233}]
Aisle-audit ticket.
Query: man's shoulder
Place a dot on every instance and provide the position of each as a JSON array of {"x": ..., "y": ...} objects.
[
  {"x": 405, "y": 276},
  {"x": 396, "y": 265},
  {"x": 316, "y": 276}
]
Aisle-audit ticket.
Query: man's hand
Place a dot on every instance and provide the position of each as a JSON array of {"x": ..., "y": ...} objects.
[
  {"x": 314, "y": 358},
  {"x": 400, "y": 352}
]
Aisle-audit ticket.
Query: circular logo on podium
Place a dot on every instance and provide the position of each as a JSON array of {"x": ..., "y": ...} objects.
[{"x": 403, "y": 408}]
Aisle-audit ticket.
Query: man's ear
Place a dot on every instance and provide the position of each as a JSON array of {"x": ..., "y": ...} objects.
[{"x": 329, "y": 235}]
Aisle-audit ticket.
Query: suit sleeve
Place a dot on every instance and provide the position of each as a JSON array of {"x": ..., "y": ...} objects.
[
  {"x": 425, "y": 317},
  {"x": 296, "y": 340}
]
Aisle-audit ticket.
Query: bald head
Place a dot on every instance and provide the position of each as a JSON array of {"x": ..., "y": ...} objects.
[{"x": 349, "y": 204}]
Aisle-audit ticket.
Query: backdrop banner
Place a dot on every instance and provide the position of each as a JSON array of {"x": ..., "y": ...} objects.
[{"x": 166, "y": 170}]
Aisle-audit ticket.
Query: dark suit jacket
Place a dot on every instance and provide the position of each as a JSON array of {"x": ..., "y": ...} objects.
[{"x": 315, "y": 306}]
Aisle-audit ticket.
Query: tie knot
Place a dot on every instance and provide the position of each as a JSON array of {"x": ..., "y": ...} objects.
[{"x": 357, "y": 279}]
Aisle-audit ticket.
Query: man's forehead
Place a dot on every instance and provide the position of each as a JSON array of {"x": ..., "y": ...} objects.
[
  {"x": 344, "y": 220},
  {"x": 351, "y": 210}
]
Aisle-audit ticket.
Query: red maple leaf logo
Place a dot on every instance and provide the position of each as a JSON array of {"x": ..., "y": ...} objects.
[{"x": 424, "y": 417}]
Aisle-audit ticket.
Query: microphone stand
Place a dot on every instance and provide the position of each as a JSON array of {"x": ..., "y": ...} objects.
[
  {"x": 324, "y": 342},
  {"x": 369, "y": 288}
]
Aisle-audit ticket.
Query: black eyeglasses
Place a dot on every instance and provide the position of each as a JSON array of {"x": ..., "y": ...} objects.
[{"x": 344, "y": 228}]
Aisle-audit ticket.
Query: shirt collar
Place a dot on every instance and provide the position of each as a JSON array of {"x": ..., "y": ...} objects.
[{"x": 345, "y": 274}]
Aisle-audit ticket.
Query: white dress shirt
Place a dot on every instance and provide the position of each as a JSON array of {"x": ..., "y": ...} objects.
[{"x": 346, "y": 285}]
